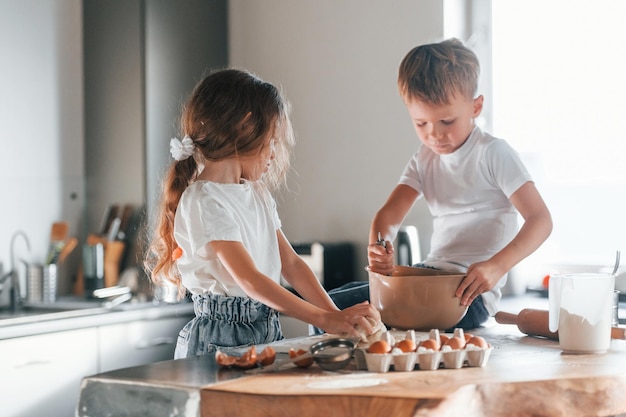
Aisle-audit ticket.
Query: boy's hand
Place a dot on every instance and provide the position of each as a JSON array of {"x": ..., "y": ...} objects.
[
  {"x": 480, "y": 278},
  {"x": 380, "y": 258}
]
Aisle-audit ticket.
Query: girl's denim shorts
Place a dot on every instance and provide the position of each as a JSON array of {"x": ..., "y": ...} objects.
[{"x": 229, "y": 324}]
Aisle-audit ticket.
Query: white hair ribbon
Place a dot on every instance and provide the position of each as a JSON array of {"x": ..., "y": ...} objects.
[{"x": 181, "y": 149}]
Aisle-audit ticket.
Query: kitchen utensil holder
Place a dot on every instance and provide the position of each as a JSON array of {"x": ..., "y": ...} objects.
[
  {"x": 93, "y": 267},
  {"x": 50, "y": 283},
  {"x": 34, "y": 283}
]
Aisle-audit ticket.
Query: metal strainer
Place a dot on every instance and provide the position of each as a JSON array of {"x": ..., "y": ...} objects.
[
  {"x": 333, "y": 354},
  {"x": 330, "y": 355}
]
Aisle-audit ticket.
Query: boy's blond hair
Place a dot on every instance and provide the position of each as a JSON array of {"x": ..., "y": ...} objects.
[{"x": 436, "y": 72}]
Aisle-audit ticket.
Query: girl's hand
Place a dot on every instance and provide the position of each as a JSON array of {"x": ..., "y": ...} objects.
[
  {"x": 480, "y": 278},
  {"x": 380, "y": 258},
  {"x": 348, "y": 320}
]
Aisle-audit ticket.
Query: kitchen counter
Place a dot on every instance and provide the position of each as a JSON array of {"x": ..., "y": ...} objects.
[{"x": 524, "y": 376}]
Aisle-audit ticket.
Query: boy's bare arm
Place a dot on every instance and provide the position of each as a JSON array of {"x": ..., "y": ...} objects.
[
  {"x": 483, "y": 276},
  {"x": 387, "y": 221},
  {"x": 535, "y": 230}
]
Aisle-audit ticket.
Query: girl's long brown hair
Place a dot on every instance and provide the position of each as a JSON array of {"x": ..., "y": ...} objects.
[{"x": 230, "y": 113}]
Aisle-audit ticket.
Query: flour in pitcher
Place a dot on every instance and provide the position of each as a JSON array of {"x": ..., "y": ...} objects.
[{"x": 577, "y": 335}]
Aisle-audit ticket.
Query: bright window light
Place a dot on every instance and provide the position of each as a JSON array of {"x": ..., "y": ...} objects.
[{"x": 559, "y": 98}]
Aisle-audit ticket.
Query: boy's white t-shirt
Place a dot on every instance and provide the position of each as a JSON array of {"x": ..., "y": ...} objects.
[
  {"x": 210, "y": 211},
  {"x": 468, "y": 193}
]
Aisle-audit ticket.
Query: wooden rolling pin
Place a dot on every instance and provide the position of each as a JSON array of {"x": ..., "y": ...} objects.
[{"x": 535, "y": 323}]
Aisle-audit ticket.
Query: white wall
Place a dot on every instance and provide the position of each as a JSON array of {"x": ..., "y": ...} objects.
[
  {"x": 337, "y": 62},
  {"x": 41, "y": 114}
]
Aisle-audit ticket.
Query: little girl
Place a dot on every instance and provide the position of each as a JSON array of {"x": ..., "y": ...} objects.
[{"x": 218, "y": 234}]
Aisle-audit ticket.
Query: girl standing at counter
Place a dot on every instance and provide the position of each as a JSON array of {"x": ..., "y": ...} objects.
[{"x": 218, "y": 235}]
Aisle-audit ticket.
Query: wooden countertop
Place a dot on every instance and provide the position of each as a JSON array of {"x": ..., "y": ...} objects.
[{"x": 525, "y": 376}]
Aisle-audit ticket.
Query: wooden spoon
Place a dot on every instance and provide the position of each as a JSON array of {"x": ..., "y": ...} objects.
[{"x": 69, "y": 246}]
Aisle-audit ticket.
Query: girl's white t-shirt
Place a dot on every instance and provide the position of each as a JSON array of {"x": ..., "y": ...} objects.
[
  {"x": 210, "y": 211},
  {"x": 468, "y": 194}
]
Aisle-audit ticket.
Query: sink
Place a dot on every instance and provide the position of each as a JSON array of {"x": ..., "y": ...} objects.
[
  {"x": 28, "y": 314},
  {"x": 30, "y": 310},
  {"x": 67, "y": 307},
  {"x": 65, "y": 303},
  {"x": 5, "y": 314}
]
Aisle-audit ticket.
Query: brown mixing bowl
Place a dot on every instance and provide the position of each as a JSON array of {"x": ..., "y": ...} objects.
[{"x": 417, "y": 298}]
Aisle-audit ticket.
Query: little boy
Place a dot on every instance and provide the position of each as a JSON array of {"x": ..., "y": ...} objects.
[{"x": 473, "y": 183}]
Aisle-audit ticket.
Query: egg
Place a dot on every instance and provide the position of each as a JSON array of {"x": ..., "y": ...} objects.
[
  {"x": 443, "y": 339},
  {"x": 430, "y": 344},
  {"x": 247, "y": 360},
  {"x": 478, "y": 342},
  {"x": 380, "y": 346},
  {"x": 267, "y": 356},
  {"x": 468, "y": 336},
  {"x": 224, "y": 360},
  {"x": 302, "y": 363},
  {"x": 406, "y": 345},
  {"x": 455, "y": 343}
]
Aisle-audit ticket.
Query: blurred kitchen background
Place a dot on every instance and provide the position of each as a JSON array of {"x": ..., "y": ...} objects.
[{"x": 90, "y": 92}]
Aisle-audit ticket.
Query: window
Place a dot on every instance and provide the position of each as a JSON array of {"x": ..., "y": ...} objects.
[{"x": 558, "y": 96}]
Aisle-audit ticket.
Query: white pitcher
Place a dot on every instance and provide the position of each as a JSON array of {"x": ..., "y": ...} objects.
[{"x": 581, "y": 310}]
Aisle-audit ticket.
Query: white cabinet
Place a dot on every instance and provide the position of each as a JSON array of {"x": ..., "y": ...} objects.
[
  {"x": 41, "y": 375},
  {"x": 138, "y": 342}
]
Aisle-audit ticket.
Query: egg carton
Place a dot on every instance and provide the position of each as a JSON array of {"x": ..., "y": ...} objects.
[{"x": 423, "y": 359}]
